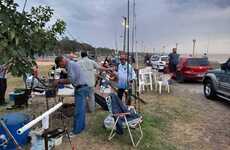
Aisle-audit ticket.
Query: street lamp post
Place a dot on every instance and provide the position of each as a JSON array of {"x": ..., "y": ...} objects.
[{"x": 194, "y": 46}]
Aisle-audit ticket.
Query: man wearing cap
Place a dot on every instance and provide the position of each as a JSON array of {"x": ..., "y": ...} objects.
[
  {"x": 124, "y": 75},
  {"x": 77, "y": 78}
]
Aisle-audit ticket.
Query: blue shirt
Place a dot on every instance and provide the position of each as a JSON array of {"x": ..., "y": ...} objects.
[
  {"x": 75, "y": 74},
  {"x": 173, "y": 58},
  {"x": 122, "y": 75}
]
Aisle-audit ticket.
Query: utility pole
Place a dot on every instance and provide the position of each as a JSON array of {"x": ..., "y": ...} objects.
[
  {"x": 153, "y": 50},
  {"x": 194, "y": 46},
  {"x": 176, "y": 45},
  {"x": 125, "y": 26},
  {"x": 135, "y": 32},
  {"x": 208, "y": 44},
  {"x": 163, "y": 49},
  {"x": 128, "y": 32},
  {"x": 128, "y": 61},
  {"x": 24, "y": 6},
  {"x": 133, "y": 27}
]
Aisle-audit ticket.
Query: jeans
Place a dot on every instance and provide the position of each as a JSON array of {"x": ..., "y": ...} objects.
[
  {"x": 3, "y": 86},
  {"x": 91, "y": 105},
  {"x": 79, "y": 112},
  {"x": 173, "y": 68},
  {"x": 120, "y": 93}
]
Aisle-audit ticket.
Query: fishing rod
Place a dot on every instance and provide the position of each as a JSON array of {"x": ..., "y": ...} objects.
[
  {"x": 114, "y": 86},
  {"x": 128, "y": 60}
]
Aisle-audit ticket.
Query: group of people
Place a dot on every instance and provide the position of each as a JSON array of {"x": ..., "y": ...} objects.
[{"x": 81, "y": 75}]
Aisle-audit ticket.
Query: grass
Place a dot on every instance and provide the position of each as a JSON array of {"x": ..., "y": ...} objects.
[
  {"x": 154, "y": 129},
  {"x": 159, "y": 115},
  {"x": 17, "y": 82}
]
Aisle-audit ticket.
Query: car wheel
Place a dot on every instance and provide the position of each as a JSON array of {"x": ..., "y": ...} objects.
[
  {"x": 179, "y": 77},
  {"x": 209, "y": 90}
]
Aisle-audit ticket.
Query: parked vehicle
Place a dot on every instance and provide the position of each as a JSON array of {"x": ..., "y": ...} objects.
[
  {"x": 159, "y": 62},
  {"x": 217, "y": 82},
  {"x": 190, "y": 68},
  {"x": 147, "y": 60}
]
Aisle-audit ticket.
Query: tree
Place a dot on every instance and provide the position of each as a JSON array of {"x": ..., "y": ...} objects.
[
  {"x": 67, "y": 45},
  {"x": 23, "y": 34}
]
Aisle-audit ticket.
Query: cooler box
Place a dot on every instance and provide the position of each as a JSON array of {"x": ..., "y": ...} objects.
[{"x": 14, "y": 121}]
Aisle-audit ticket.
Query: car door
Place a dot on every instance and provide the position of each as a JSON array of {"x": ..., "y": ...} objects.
[
  {"x": 155, "y": 62},
  {"x": 224, "y": 82}
]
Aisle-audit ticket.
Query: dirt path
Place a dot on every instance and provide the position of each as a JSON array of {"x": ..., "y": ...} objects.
[{"x": 210, "y": 128}]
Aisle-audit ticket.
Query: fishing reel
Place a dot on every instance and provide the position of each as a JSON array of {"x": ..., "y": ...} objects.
[{"x": 3, "y": 141}]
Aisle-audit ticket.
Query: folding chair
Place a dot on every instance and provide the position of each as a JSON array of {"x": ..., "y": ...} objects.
[{"x": 122, "y": 113}]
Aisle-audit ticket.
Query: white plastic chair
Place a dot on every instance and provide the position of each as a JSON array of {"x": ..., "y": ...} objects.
[
  {"x": 163, "y": 81},
  {"x": 155, "y": 76},
  {"x": 145, "y": 79}
]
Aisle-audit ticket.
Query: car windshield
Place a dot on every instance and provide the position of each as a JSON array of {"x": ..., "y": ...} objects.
[
  {"x": 155, "y": 58},
  {"x": 198, "y": 62},
  {"x": 164, "y": 58}
]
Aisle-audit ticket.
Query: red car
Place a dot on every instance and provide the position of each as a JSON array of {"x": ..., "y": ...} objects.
[{"x": 191, "y": 68}]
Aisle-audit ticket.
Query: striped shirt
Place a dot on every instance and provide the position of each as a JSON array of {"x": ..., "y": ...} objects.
[{"x": 122, "y": 75}]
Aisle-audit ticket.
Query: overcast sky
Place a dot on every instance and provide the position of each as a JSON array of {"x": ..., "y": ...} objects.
[{"x": 159, "y": 22}]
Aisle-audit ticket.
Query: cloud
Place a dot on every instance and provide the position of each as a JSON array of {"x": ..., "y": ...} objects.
[
  {"x": 191, "y": 4},
  {"x": 159, "y": 22}
]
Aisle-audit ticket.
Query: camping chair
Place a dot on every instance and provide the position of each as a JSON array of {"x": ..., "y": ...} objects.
[{"x": 124, "y": 117}]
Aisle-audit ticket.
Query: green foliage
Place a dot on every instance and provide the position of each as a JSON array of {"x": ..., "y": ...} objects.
[
  {"x": 24, "y": 34},
  {"x": 104, "y": 51},
  {"x": 67, "y": 45}
]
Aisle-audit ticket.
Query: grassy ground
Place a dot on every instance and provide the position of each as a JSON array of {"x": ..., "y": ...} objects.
[
  {"x": 160, "y": 115},
  {"x": 171, "y": 121},
  {"x": 17, "y": 82}
]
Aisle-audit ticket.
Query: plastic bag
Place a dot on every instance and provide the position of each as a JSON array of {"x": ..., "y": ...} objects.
[{"x": 109, "y": 122}]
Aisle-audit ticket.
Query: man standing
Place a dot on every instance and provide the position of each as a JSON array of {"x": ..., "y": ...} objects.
[
  {"x": 173, "y": 60},
  {"x": 123, "y": 76},
  {"x": 89, "y": 67},
  {"x": 77, "y": 78},
  {"x": 3, "y": 82}
]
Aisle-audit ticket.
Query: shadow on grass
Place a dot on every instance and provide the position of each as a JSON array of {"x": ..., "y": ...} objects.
[{"x": 154, "y": 130}]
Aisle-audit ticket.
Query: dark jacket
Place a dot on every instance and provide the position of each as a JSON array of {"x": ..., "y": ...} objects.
[
  {"x": 173, "y": 58},
  {"x": 119, "y": 107}
]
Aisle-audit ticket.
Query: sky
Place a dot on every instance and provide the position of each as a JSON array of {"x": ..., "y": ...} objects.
[{"x": 160, "y": 23}]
